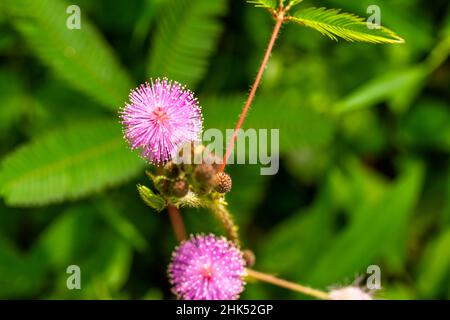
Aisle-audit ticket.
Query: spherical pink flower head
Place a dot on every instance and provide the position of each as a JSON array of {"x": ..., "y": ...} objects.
[
  {"x": 207, "y": 267},
  {"x": 160, "y": 117}
]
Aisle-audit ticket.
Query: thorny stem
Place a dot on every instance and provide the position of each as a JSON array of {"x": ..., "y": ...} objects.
[
  {"x": 177, "y": 223},
  {"x": 280, "y": 19},
  {"x": 221, "y": 212},
  {"x": 287, "y": 284}
]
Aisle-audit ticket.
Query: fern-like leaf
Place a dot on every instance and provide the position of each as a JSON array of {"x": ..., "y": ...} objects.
[
  {"x": 268, "y": 4},
  {"x": 334, "y": 24},
  {"x": 186, "y": 36},
  {"x": 81, "y": 57},
  {"x": 68, "y": 164}
]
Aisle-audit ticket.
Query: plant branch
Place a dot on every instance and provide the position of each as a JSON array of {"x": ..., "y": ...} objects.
[
  {"x": 276, "y": 31},
  {"x": 177, "y": 222},
  {"x": 287, "y": 284},
  {"x": 222, "y": 213}
]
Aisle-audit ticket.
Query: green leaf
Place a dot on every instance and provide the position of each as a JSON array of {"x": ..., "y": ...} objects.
[
  {"x": 81, "y": 57},
  {"x": 427, "y": 125},
  {"x": 296, "y": 240},
  {"x": 144, "y": 21},
  {"x": 68, "y": 164},
  {"x": 14, "y": 101},
  {"x": 334, "y": 24},
  {"x": 380, "y": 89},
  {"x": 268, "y": 4},
  {"x": 109, "y": 266},
  {"x": 74, "y": 232},
  {"x": 294, "y": 2},
  {"x": 299, "y": 125},
  {"x": 415, "y": 28},
  {"x": 152, "y": 200},
  {"x": 374, "y": 228},
  {"x": 123, "y": 226},
  {"x": 104, "y": 269},
  {"x": 21, "y": 275},
  {"x": 186, "y": 37},
  {"x": 79, "y": 237},
  {"x": 434, "y": 272},
  {"x": 248, "y": 190}
]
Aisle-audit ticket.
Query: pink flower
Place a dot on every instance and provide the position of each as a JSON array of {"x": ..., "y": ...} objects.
[
  {"x": 207, "y": 267},
  {"x": 160, "y": 117},
  {"x": 349, "y": 293}
]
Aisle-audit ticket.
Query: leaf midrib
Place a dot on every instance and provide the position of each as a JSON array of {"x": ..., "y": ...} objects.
[{"x": 89, "y": 153}]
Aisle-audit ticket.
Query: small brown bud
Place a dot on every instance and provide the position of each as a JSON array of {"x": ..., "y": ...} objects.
[
  {"x": 249, "y": 258},
  {"x": 222, "y": 182},
  {"x": 180, "y": 188},
  {"x": 163, "y": 185},
  {"x": 213, "y": 160},
  {"x": 204, "y": 172},
  {"x": 171, "y": 170}
]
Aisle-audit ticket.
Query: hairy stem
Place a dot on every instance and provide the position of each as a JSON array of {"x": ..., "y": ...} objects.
[
  {"x": 251, "y": 96},
  {"x": 177, "y": 222},
  {"x": 287, "y": 284},
  {"x": 222, "y": 213}
]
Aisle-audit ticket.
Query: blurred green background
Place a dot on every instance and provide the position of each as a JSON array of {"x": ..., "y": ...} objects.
[{"x": 364, "y": 138}]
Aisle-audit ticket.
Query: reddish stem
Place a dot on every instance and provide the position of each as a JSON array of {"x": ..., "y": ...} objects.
[
  {"x": 276, "y": 31},
  {"x": 177, "y": 223},
  {"x": 287, "y": 284}
]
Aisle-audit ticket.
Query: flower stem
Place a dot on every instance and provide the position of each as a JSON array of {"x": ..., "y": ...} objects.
[
  {"x": 276, "y": 31},
  {"x": 287, "y": 284},
  {"x": 177, "y": 223},
  {"x": 222, "y": 213}
]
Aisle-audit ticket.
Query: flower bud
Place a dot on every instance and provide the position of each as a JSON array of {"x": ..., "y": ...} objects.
[
  {"x": 163, "y": 185},
  {"x": 180, "y": 188},
  {"x": 204, "y": 173},
  {"x": 249, "y": 258},
  {"x": 171, "y": 170},
  {"x": 222, "y": 182}
]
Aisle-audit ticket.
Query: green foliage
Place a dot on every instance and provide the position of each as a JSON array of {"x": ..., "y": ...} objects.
[
  {"x": 20, "y": 275},
  {"x": 152, "y": 200},
  {"x": 420, "y": 126},
  {"x": 79, "y": 237},
  {"x": 186, "y": 36},
  {"x": 381, "y": 89},
  {"x": 80, "y": 57},
  {"x": 313, "y": 130},
  {"x": 67, "y": 164},
  {"x": 247, "y": 192},
  {"x": 334, "y": 24},
  {"x": 361, "y": 242},
  {"x": 364, "y": 144},
  {"x": 122, "y": 226},
  {"x": 434, "y": 271},
  {"x": 268, "y": 4},
  {"x": 73, "y": 230},
  {"x": 292, "y": 3},
  {"x": 295, "y": 240},
  {"x": 408, "y": 82}
]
